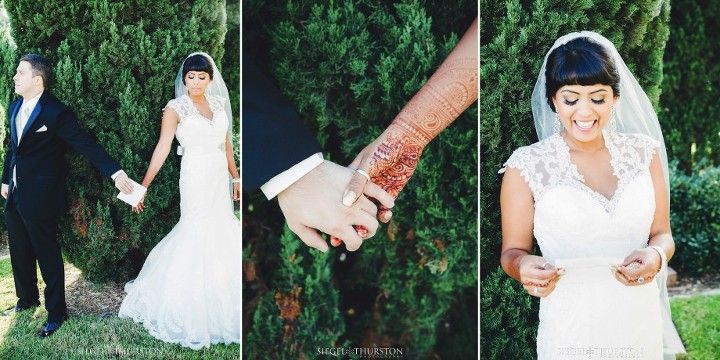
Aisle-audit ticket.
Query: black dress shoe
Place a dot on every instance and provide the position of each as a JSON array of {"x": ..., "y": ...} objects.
[
  {"x": 18, "y": 309},
  {"x": 49, "y": 329}
]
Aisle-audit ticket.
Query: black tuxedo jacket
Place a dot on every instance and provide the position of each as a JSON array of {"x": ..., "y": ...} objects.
[
  {"x": 39, "y": 157},
  {"x": 274, "y": 137}
]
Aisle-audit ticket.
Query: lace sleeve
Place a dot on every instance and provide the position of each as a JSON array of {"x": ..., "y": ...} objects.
[
  {"x": 217, "y": 103},
  {"x": 176, "y": 105},
  {"x": 648, "y": 149},
  {"x": 542, "y": 165},
  {"x": 638, "y": 150},
  {"x": 522, "y": 159}
]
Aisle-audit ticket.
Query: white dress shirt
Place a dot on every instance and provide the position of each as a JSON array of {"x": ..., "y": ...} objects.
[{"x": 288, "y": 177}]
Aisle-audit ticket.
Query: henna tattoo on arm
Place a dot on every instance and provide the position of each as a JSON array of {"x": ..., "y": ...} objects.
[{"x": 451, "y": 90}]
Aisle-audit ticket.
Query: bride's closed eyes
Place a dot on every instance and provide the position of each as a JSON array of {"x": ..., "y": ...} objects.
[{"x": 595, "y": 101}]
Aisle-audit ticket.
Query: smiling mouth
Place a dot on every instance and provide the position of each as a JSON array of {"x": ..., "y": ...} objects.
[{"x": 585, "y": 125}]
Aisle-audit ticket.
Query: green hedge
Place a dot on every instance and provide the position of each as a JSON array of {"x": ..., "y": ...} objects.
[
  {"x": 8, "y": 64},
  {"x": 349, "y": 67},
  {"x": 515, "y": 36},
  {"x": 695, "y": 218},
  {"x": 115, "y": 65},
  {"x": 691, "y": 86}
]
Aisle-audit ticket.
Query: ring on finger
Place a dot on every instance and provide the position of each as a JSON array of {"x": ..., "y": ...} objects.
[
  {"x": 363, "y": 173},
  {"x": 641, "y": 280},
  {"x": 535, "y": 290},
  {"x": 543, "y": 265}
]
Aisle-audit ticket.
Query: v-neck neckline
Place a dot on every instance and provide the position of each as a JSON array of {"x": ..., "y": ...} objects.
[
  {"x": 607, "y": 203},
  {"x": 210, "y": 120}
]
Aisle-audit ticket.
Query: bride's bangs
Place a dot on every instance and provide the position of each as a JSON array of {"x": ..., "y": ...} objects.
[
  {"x": 197, "y": 63},
  {"x": 583, "y": 68}
]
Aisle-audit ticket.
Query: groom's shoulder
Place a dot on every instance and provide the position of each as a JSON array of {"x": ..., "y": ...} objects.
[
  {"x": 15, "y": 102},
  {"x": 49, "y": 99},
  {"x": 50, "y": 102}
]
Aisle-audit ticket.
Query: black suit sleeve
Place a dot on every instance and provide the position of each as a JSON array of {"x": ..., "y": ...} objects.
[
  {"x": 8, "y": 156},
  {"x": 8, "y": 146},
  {"x": 274, "y": 136},
  {"x": 71, "y": 132}
]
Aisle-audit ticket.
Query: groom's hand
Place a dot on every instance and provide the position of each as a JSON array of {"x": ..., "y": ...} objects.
[
  {"x": 5, "y": 190},
  {"x": 122, "y": 182},
  {"x": 313, "y": 203}
]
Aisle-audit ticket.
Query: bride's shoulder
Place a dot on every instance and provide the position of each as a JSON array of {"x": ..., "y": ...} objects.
[
  {"x": 529, "y": 156},
  {"x": 216, "y": 99},
  {"x": 538, "y": 149},
  {"x": 176, "y": 102},
  {"x": 636, "y": 142}
]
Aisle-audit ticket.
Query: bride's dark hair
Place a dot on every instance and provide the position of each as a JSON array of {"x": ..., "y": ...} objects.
[
  {"x": 579, "y": 62},
  {"x": 197, "y": 63}
]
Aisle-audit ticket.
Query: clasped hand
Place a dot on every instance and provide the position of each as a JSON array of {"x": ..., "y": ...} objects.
[
  {"x": 538, "y": 276},
  {"x": 638, "y": 268},
  {"x": 313, "y": 203}
]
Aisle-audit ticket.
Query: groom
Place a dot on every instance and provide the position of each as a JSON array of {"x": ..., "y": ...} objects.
[{"x": 33, "y": 182}]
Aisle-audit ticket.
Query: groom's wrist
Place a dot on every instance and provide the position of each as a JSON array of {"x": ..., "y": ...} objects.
[
  {"x": 288, "y": 177},
  {"x": 116, "y": 174}
]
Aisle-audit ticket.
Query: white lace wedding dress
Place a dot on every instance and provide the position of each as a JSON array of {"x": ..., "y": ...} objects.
[
  {"x": 591, "y": 315},
  {"x": 188, "y": 291}
]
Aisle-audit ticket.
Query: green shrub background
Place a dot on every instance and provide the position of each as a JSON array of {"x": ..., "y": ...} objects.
[
  {"x": 515, "y": 36},
  {"x": 689, "y": 118},
  {"x": 115, "y": 66},
  {"x": 349, "y": 67}
]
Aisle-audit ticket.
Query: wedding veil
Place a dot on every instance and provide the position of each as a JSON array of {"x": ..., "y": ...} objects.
[
  {"x": 634, "y": 114},
  {"x": 217, "y": 87}
]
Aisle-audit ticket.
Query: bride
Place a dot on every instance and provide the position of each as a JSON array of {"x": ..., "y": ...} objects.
[
  {"x": 594, "y": 193},
  {"x": 188, "y": 291}
]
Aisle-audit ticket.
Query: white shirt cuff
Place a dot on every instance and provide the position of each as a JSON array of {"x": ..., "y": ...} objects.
[
  {"x": 116, "y": 174},
  {"x": 288, "y": 177}
]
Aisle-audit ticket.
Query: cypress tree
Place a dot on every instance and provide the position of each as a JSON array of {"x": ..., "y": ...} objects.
[
  {"x": 115, "y": 66},
  {"x": 8, "y": 59},
  {"x": 349, "y": 67},
  {"x": 691, "y": 85},
  {"x": 515, "y": 35}
]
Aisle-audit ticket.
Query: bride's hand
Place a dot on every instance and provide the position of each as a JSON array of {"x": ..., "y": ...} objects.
[
  {"x": 538, "y": 276},
  {"x": 639, "y": 268},
  {"x": 389, "y": 162},
  {"x": 236, "y": 191},
  {"x": 140, "y": 206}
]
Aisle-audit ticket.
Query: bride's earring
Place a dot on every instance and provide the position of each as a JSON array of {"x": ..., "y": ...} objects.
[
  {"x": 613, "y": 119},
  {"x": 557, "y": 126}
]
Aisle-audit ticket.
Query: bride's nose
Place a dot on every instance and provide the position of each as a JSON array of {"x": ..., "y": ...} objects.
[{"x": 585, "y": 108}]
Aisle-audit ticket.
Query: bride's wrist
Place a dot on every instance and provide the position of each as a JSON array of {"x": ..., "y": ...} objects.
[
  {"x": 518, "y": 263},
  {"x": 661, "y": 253}
]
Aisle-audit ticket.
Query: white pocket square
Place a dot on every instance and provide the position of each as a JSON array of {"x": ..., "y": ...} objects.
[{"x": 43, "y": 128}]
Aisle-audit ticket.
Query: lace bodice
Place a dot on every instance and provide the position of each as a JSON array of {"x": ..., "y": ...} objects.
[
  {"x": 572, "y": 220},
  {"x": 196, "y": 132}
]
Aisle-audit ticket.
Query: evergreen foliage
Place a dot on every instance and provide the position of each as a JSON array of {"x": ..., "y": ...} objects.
[
  {"x": 8, "y": 64},
  {"x": 691, "y": 86},
  {"x": 695, "y": 218},
  {"x": 230, "y": 68},
  {"x": 515, "y": 35},
  {"x": 349, "y": 67},
  {"x": 115, "y": 66}
]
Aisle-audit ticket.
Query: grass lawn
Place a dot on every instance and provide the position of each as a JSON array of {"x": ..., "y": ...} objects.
[
  {"x": 697, "y": 319},
  {"x": 85, "y": 337}
]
